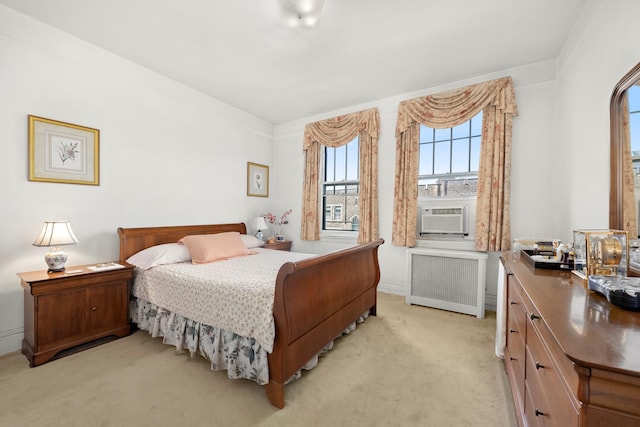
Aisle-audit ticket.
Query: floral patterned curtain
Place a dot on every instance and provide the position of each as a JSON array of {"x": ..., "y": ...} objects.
[
  {"x": 335, "y": 132},
  {"x": 496, "y": 99},
  {"x": 628, "y": 175}
]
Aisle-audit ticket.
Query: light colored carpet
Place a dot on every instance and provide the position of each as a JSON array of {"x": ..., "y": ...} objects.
[{"x": 409, "y": 366}]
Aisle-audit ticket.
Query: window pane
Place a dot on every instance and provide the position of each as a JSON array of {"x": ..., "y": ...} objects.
[
  {"x": 427, "y": 181},
  {"x": 443, "y": 134},
  {"x": 426, "y": 134},
  {"x": 329, "y": 157},
  {"x": 475, "y": 152},
  {"x": 337, "y": 213},
  {"x": 443, "y": 154},
  {"x": 460, "y": 156},
  {"x": 634, "y": 98},
  {"x": 476, "y": 124},
  {"x": 352, "y": 189},
  {"x": 341, "y": 153},
  {"x": 461, "y": 131},
  {"x": 426, "y": 159},
  {"x": 429, "y": 188},
  {"x": 352, "y": 160},
  {"x": 634, "y": 127}
]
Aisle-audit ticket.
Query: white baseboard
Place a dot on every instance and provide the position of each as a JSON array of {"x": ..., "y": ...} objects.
[
  {"x": 490, "y": 302},
  {"x": 401, "y": 290},
  {"x": 393, "y": 288},
  {"x": 11, "y": 340}
]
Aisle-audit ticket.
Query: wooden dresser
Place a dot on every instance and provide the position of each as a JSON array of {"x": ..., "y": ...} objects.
[{"x": 572, "y": 358}]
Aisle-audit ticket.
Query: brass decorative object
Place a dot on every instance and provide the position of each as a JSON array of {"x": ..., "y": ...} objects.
[{"x": 601, "y": 253}]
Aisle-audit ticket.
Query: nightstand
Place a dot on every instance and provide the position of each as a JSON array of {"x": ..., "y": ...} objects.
[
  {"x": 74, "y": 307},
  {"x": 279, "y": 246}
]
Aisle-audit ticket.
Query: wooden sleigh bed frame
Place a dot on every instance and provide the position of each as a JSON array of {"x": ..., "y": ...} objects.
[{"x": 315, "y": 299}]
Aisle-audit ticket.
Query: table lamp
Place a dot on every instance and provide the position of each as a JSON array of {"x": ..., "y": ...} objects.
[
  {"x": 55, "y": 234},
  {"x": 260, "y": 224}
]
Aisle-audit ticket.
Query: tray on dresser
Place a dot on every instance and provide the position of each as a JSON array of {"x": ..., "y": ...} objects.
[{"x": 544, "y": 260}]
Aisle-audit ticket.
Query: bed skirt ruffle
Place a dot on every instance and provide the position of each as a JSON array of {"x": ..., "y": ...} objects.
[{"x": 240, "y": 356}]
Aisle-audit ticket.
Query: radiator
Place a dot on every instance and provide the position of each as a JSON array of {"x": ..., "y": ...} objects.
[{"x": 447, "y": 279}]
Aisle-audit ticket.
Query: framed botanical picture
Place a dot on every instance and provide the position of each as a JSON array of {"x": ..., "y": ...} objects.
[
  {"x": 257, "y": 180},
  {"x": 63, "y": 152}
]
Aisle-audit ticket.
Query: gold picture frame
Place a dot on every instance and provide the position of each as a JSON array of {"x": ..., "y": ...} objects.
[
  {"x": 257, "y": 180},
  {"x": 63, "y": 152}
]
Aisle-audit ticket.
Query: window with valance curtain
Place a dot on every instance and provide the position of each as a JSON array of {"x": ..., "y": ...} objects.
[
  {"x": 335, "y": 132},
  {"x": 496, "y": 99}
]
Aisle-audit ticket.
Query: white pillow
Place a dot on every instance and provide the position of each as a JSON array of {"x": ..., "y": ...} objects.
[
  {"x": 169, "y": 253},
  {"x": 251, "y": 241}
]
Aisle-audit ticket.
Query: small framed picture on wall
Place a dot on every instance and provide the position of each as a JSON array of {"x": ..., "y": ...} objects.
[{"x": 257, "y": 180}]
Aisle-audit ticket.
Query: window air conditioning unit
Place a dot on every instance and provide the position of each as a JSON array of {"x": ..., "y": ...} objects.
[{"x": 445, "y": 220}]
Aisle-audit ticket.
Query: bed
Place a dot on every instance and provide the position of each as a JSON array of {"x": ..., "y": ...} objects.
[{"x": 315, "y": 299}]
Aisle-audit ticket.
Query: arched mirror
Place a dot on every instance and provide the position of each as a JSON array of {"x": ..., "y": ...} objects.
[{"x": 624, "y": 194}]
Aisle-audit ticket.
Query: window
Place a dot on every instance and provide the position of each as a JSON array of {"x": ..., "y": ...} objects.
[
  {"x": 449, "y": 160},
  {"x": 341, "y": 187},
  {"x": 333, "y": 213}
]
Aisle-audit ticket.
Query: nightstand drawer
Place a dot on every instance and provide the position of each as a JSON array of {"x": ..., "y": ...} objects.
[{"x": 279, "y": 246}]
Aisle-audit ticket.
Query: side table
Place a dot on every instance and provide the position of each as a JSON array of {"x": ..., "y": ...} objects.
[{"x": 73, "y": 307}]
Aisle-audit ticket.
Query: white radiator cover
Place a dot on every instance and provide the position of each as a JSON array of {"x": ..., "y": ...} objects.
[{"x": 447, "y": 279}]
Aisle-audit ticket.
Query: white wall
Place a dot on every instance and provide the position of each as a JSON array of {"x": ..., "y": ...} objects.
[{"x": 168, "y": 155}]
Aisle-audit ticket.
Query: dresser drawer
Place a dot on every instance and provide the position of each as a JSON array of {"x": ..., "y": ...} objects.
[
  {"x": 533, "y": 416},
  {"x": 563, "y": 364},
  {"x": 549, "y": 401},
  {"x": 516, "y": 310},
  {"x": 514, "y": 364},
  {"x": 516, "y": 335},
  {"x": 514, "y": 357}
]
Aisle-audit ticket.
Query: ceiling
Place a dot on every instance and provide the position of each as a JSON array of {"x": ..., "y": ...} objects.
[{"x": 363, "y": 50}]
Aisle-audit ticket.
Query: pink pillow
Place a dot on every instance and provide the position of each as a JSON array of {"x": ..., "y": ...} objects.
[{"x": 206, "y": 248}]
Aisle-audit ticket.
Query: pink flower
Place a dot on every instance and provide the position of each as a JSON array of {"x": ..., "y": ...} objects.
[{"x": 272, "y": 219}]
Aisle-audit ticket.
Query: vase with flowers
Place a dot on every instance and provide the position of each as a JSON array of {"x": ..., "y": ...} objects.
[{"x": 278, "y": 222}]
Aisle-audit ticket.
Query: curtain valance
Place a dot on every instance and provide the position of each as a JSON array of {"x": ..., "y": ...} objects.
[
  {"x": 449, "y": 109},
  {"x": 339, "y": 130}
]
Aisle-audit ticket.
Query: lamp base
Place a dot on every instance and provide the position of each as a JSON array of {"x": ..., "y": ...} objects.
[
  {"x": 56, "y": 259},
  {"x": 259, "y": 235}
]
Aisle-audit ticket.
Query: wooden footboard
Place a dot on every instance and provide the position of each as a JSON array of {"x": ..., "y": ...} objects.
[{"x": 315, "y": 300}]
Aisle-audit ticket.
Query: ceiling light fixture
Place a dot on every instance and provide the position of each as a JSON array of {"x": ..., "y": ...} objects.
[{"x": 300, "y": 13}]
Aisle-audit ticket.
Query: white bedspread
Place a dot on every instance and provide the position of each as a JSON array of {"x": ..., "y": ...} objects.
[{"x": 236, "y": 294}]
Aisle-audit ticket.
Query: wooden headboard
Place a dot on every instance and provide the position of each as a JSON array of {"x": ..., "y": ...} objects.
[{"x": 133, "y": 240}]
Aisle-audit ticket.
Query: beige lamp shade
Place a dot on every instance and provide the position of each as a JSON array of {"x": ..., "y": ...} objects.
[{"x": 55, "y": 234}]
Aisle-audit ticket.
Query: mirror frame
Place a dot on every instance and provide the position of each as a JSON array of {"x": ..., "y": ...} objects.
[{"x": 616, "y": 220}]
